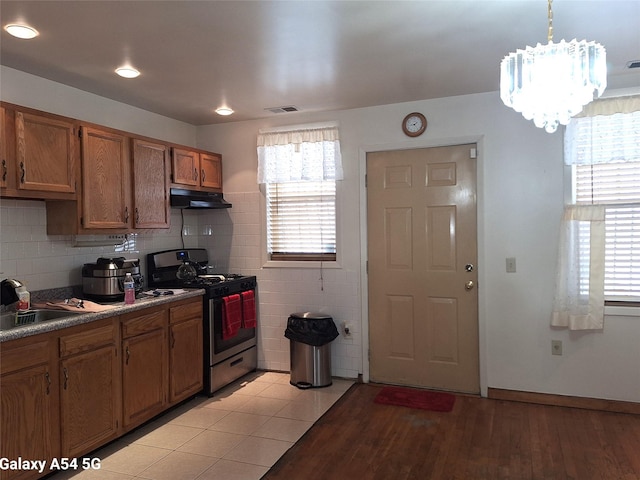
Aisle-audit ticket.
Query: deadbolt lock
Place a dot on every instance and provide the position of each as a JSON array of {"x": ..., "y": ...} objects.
[{"x": 469, "y": 267}]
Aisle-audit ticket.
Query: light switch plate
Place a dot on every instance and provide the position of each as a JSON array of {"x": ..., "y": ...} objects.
[{"x": 511, "y": 265}]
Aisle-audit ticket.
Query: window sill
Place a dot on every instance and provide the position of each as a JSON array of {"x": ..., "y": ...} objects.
[
  {"x": 622, "y": 311},
  {"x": 294, "y": 264}
]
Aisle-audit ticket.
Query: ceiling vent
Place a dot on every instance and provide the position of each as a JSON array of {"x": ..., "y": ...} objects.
[
  {"x": 287, "y": 109},
  {"x": 633, "y": 64}
]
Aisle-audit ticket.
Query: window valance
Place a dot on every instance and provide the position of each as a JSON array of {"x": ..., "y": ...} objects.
[{"x": 299, "y": 155}]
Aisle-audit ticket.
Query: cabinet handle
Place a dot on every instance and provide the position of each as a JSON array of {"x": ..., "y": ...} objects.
[
  {"x": 66, "y": 377},
  {"x": 173, "y": 340},
  {"x": 48, "y": 377},
  {"x": 137, "y": 215},
  {"x": 4, "y": 170},
  {"x": 23, "y": 172},
  {"x": 126, "y": 214},
  {"x": 202, "y": 174},
  {"x": 128, "y": 355},
  {"x": 195, "y": 174}
]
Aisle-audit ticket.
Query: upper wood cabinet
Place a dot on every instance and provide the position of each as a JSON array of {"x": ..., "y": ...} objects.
[
  {"x": 199, "y": 170},
  {"x": 45, "y": 153},
  {"x": 39, "y": 154},
  {"x": 211, "y": 171},
  {"x": 151, "y": 174},
  {"x": 106, "y": 185},
  {"x": 4, "y": 167}
]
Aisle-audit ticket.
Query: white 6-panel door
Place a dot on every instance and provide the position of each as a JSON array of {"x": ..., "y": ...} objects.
[{"x": 422, "y": 267}]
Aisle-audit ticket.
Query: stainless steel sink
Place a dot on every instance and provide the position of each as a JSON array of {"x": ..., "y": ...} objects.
[{"x": 8, "y": 320}]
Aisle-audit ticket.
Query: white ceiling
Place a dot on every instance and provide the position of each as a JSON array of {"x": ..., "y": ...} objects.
[{"x": 316, "y": 55}]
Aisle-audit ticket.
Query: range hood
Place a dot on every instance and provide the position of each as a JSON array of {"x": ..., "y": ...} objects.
[{"x": 181, "y": 198}]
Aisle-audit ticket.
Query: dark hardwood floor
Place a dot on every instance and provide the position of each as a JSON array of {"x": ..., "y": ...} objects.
[{"x": 480, "y": 439}]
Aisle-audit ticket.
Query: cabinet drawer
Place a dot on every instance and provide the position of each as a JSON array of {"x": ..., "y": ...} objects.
[
  {"x": 14, "y": 359},
  {"x": 144, "y": 323},
  {"x": 185, "y": 312},
  {"x": 89, "y": 339}
]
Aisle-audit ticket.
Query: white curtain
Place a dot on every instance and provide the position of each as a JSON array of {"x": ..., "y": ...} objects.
[
  {"x": 601, "y": 134},
  {"x": 299, "y": 155},
  {"x": 579, "y": 299}
]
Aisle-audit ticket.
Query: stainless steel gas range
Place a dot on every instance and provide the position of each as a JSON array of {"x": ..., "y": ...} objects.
[{"x": 228, "y": 354}]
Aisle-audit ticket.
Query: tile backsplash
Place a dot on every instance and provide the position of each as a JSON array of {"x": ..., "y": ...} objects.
[{"x": 233, "y": 239}]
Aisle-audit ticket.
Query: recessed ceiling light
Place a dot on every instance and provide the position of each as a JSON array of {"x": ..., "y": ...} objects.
[
  {"x": 127, "y": 72},
  {"x": 21, "y": 31},
  {"x": 224, "y": 111}
]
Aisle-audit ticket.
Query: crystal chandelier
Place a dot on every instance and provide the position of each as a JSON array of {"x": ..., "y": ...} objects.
[{"x": 551, "y": 83}]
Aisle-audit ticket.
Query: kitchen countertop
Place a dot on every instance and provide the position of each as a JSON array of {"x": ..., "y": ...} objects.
[{"x": 79, "y": 318}]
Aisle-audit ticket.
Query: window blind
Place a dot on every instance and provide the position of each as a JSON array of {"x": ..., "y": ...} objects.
[
  {"x": 617, "y": 186},
  {"x": 301, "y": 220}
]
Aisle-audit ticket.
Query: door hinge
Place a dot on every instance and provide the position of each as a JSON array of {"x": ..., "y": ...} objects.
[
  {"x": 366, "y": 181},
  {"x": 473, "y": 153},
  {"x": 367, "y": 267},
  {"x": 80, "y": 132}
]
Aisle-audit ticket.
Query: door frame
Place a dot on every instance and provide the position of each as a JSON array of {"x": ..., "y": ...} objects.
[{"x": 364, "y": 227}]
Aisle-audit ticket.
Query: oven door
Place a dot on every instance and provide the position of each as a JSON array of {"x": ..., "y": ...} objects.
[{"x": 219, "y": 348}]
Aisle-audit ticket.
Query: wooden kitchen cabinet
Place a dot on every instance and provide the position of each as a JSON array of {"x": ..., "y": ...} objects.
[
  {"x": 45, "y": 153},
  {"x": 89, "y": 387},
  {"x": 29, "y": 405},
  {"x": 4, "y": 167},
  {"x": 39, "y": 154},
  {"x": 106, "y": 186},
  {"x": 185, "y": 350},
  {"x": 151, "y": 175},
  {"x": 196, "y": 169},
  {"x": 144, "y": 366}
]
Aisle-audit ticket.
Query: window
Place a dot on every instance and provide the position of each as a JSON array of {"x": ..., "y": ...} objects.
[
  {"x": 299, "y": 169},
  {"x": 612, "y": 179}
]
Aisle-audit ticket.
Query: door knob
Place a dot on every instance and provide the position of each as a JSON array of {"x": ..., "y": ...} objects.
[{"x": 469, "y": 285}]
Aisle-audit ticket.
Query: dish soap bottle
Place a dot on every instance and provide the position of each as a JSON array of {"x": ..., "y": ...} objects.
[
  {"x": 129, "y": 290},
  {"x": 24, "y": 299}
]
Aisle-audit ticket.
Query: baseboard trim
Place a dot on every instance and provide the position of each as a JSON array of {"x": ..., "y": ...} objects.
[{"x": 616, "y": 406}]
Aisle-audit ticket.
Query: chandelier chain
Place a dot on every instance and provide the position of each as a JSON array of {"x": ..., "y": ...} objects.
[{"x": 550, "y": 16}]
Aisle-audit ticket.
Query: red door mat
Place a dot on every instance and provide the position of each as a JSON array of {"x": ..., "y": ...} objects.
[{"x": 413, "y": 398}]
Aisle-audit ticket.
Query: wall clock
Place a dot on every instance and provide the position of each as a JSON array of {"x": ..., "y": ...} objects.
[{"x": 414, "y": 124}]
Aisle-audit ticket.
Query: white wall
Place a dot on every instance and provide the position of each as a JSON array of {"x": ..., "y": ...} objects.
[
  {"x": 520, "y": 198},
  {"x": 519, "y": 205}
]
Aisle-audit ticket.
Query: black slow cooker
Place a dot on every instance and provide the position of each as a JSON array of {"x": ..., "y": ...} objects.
[{"x": 104, "y": 280}]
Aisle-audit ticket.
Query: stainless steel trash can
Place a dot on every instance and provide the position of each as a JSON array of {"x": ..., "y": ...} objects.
[{"x": 310, "y": 335}]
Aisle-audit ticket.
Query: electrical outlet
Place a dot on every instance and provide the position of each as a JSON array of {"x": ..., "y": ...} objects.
[
  {"x": 347, "y": 329},
  {"x": 556, "y": 347},
  {"x": 511, "y": 265}
]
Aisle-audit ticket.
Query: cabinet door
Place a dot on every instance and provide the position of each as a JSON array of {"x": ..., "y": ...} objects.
[
  {"x": 29, "y": 402},
  {"x": 150, "y": 185},
  {"x": 45, "y": 153},
  {"x": 4, "y": 166},
  {"x": 89, "y": 406},
  {"x": 185, "y": 166},
  {"x": 185, "y": 359},
  {"x": 106, "y": 185},
  {"x": 211, "y": 171},
  {"x": 144, "y": 373}
]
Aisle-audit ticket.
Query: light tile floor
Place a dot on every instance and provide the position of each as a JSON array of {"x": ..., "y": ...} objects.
[{"x": 238, "y": 434}]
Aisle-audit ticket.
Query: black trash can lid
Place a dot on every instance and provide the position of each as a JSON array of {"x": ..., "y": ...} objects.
[{"x": 311, "y": 316}]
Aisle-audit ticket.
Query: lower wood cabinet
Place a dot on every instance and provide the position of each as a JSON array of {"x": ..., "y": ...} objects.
[
  {"x": 144, "y": 366},
  {"x": 29, "y": 404},
  {"x": 65, "y": 393},
  {"x": 89, "y": 388},
  {"x": 185, "y": 351}
]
